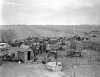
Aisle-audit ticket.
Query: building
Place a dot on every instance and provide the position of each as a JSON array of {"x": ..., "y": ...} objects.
[
  {"x": 25, "y": 55},
  {"x": 22, "y": 54}
]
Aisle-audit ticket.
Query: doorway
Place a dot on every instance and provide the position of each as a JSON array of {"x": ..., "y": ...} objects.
[{"x": 28, "y": 55}]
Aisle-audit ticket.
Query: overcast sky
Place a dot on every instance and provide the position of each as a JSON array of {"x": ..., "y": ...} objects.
[
  {"x": 0, "y": 12},
  {"x": 51, "y": 12}
]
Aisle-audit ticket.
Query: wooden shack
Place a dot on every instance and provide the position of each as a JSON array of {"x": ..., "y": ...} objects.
[
  {"x": 22, "y": 54},
  {"x": 25, "y": 55}
]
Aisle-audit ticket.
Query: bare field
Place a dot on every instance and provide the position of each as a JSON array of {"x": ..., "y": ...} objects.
[{"x": 24, "y": 31}]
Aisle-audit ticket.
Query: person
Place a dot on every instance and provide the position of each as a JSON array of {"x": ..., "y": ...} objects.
[{"x": 19, "y": 62}]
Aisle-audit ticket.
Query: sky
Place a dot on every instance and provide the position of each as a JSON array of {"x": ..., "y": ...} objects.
[
  {"x": 0, "y": 13},
  {"x": 50, "y": 12}
]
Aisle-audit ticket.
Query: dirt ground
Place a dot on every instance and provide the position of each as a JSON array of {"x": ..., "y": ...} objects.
[
  {"x": 72, "y": 67},
  {"x": 38, "y": 70},
  {"x": 81, "y": 68},
  {"x": 26, "y": 70}
]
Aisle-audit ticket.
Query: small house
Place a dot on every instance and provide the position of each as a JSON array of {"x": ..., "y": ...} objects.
[
  {"x": 25, "y": 55},
  {"x": 21, "y": 54}
]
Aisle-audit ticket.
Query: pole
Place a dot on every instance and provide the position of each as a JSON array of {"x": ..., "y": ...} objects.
[
  {"x": 56, "y": 60},
  {"x": 56, "y": 56}
]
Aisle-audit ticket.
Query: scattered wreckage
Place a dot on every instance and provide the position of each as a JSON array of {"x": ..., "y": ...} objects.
[{"x": 54, "y": 66}]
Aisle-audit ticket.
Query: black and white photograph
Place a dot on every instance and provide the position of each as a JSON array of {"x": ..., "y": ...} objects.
[{"x": 49, "y": 38}]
